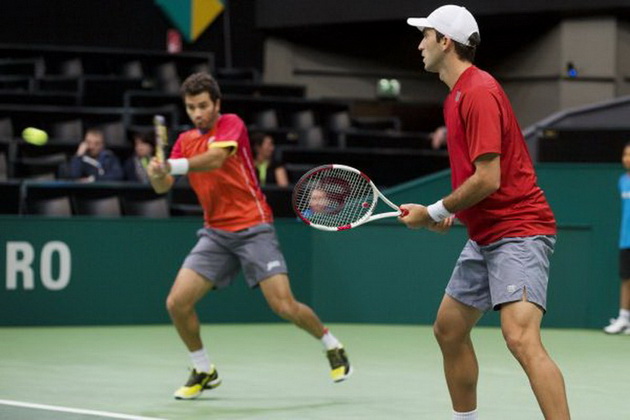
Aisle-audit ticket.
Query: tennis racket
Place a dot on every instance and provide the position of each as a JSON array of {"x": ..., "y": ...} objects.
[
  {"x": 338, "y": 197},
  {"x": 161, "y": 137}
]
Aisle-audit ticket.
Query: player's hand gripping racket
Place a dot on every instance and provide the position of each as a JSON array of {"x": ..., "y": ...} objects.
[
  {"x": 338, "y": 197},
  {"x": 161, "y": 137}
]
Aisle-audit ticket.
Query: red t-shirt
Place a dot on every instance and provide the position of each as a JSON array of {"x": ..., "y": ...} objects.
[
  {"x": 479, "y": 120},
  {"x": 230, "y": 196}
]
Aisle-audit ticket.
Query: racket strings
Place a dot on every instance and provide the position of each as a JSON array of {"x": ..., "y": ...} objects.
[{"x": 334, "y": 197}]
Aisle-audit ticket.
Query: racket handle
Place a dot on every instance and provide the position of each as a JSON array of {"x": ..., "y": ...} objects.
[{"x": 404, "y": 212}]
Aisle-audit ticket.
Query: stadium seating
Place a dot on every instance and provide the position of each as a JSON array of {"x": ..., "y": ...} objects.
[
  {"x": 10, "y": 190},
  {"x": 387, "y": 167},
  {"x": 63, "y": 60},
  {"x": 65, "y": 90}
]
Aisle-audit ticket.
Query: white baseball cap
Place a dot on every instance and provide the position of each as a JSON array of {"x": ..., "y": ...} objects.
[{"x": 455, "y": 22}]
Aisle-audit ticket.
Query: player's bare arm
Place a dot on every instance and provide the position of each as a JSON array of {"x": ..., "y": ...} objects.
[
  {"x": 159, "y": 176},
  {"x": 160, "y": 173},
  {"x": 485, "y": 181},
  {"x": 418, "y": 218},
  {"x": 443, "y": 226},
  {"x": 210, "y": 160}
]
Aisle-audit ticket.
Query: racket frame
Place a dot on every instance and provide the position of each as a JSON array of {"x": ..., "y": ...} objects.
[{"x": 369, "y": 216}]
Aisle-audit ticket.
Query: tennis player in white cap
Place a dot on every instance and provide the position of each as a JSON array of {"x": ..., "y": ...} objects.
[{"x": 504, "y": 266}]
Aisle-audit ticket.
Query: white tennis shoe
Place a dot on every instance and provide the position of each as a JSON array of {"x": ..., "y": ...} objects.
[{"x": 618, "y": 326}]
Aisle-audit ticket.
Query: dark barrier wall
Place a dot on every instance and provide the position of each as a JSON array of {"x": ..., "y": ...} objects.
[
  {"x": 128, "y": 24},
  {"x": 118, "y": 271},
  {"x": 299, "y": 13}
]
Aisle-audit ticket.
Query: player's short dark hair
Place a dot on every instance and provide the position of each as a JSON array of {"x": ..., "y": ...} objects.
[
  {"x": 198, "y": 83},
  {"x": 464, "y": 52}
]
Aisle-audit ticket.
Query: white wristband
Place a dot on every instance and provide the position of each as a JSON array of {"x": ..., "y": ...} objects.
[
  {"x": 438, "y": 212},
  {"x": 178, "y": 166}
]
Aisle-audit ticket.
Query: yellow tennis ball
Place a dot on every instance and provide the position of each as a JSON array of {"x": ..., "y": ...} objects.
[{"x": 35, "y": 136}]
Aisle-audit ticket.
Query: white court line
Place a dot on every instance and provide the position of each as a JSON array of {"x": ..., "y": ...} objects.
[{"x": 76, "y": 410}]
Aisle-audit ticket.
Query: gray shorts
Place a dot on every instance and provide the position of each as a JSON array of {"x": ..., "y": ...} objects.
[
  {"x": 219, "y": 255},
  {"x": 488, "y": 276}
]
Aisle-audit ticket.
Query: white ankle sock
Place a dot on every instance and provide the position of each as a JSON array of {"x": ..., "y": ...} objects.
[
  {"x": 624, "y": 314},
  {"x": 470, "y": 415},
  {"x": 200, "y": 360},
  {"x": 329, "y": 341}
]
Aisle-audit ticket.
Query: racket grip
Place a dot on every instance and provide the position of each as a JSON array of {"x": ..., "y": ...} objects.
[{"x": 404, "y": 212}]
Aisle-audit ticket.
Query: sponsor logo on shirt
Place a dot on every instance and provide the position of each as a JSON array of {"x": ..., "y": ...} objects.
[{"x": 625, "y": 194}]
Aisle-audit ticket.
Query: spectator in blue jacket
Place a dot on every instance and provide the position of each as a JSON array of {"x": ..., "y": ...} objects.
[
  {"x": 621, "y": 324},
  {"x": 93, "y": 162}
]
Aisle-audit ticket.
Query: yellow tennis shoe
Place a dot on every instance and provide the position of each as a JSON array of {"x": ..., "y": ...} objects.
[
  {"x": 197, "y": 382},
  {"x": 340, "y": 367}
]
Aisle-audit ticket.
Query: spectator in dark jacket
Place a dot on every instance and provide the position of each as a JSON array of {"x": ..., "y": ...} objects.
[
  {"x": 135, "y": 168},
  {"x": 93, "y": 162}
]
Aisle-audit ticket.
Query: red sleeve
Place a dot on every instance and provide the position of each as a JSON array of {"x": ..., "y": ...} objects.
[
  {"x": 481, "y": 113},
  {"x": 230, "y": 129}
]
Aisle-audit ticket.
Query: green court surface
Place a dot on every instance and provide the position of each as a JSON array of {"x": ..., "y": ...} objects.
[{"x": 275, "y": 371}]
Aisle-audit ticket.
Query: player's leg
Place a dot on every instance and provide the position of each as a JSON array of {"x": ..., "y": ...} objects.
[
  {"x": 208, "y": 265},
  {"x": 621, "y": 324},
  {"x": 625, "y": 294},
  {"x": 277, "y": 291},
  {"x": 452, "y": 329},
  {"x": 264, "y": 266},
  {"x": 520, "y": 324},
  {"x": 189, "y": 287},
  {"x": 624, "y": 274},
  {"x": 209, "y": 259},
  {"x": 467, "y": 298},
  {"x": 519, "y": 273}
]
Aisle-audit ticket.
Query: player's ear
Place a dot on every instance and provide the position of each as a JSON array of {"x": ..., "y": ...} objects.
[{"x": 446, "y": 43}]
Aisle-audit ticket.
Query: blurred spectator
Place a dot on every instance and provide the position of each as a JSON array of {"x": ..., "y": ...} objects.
[
  {"x": 135, "y": 168},
  {"x": 317, "y": 204},
  {"x": 268, "y": 170},
  {"x": 621, "y": 324},
  {"x": 438, "y": 138},
  {"x": 93, "y": 162}
]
